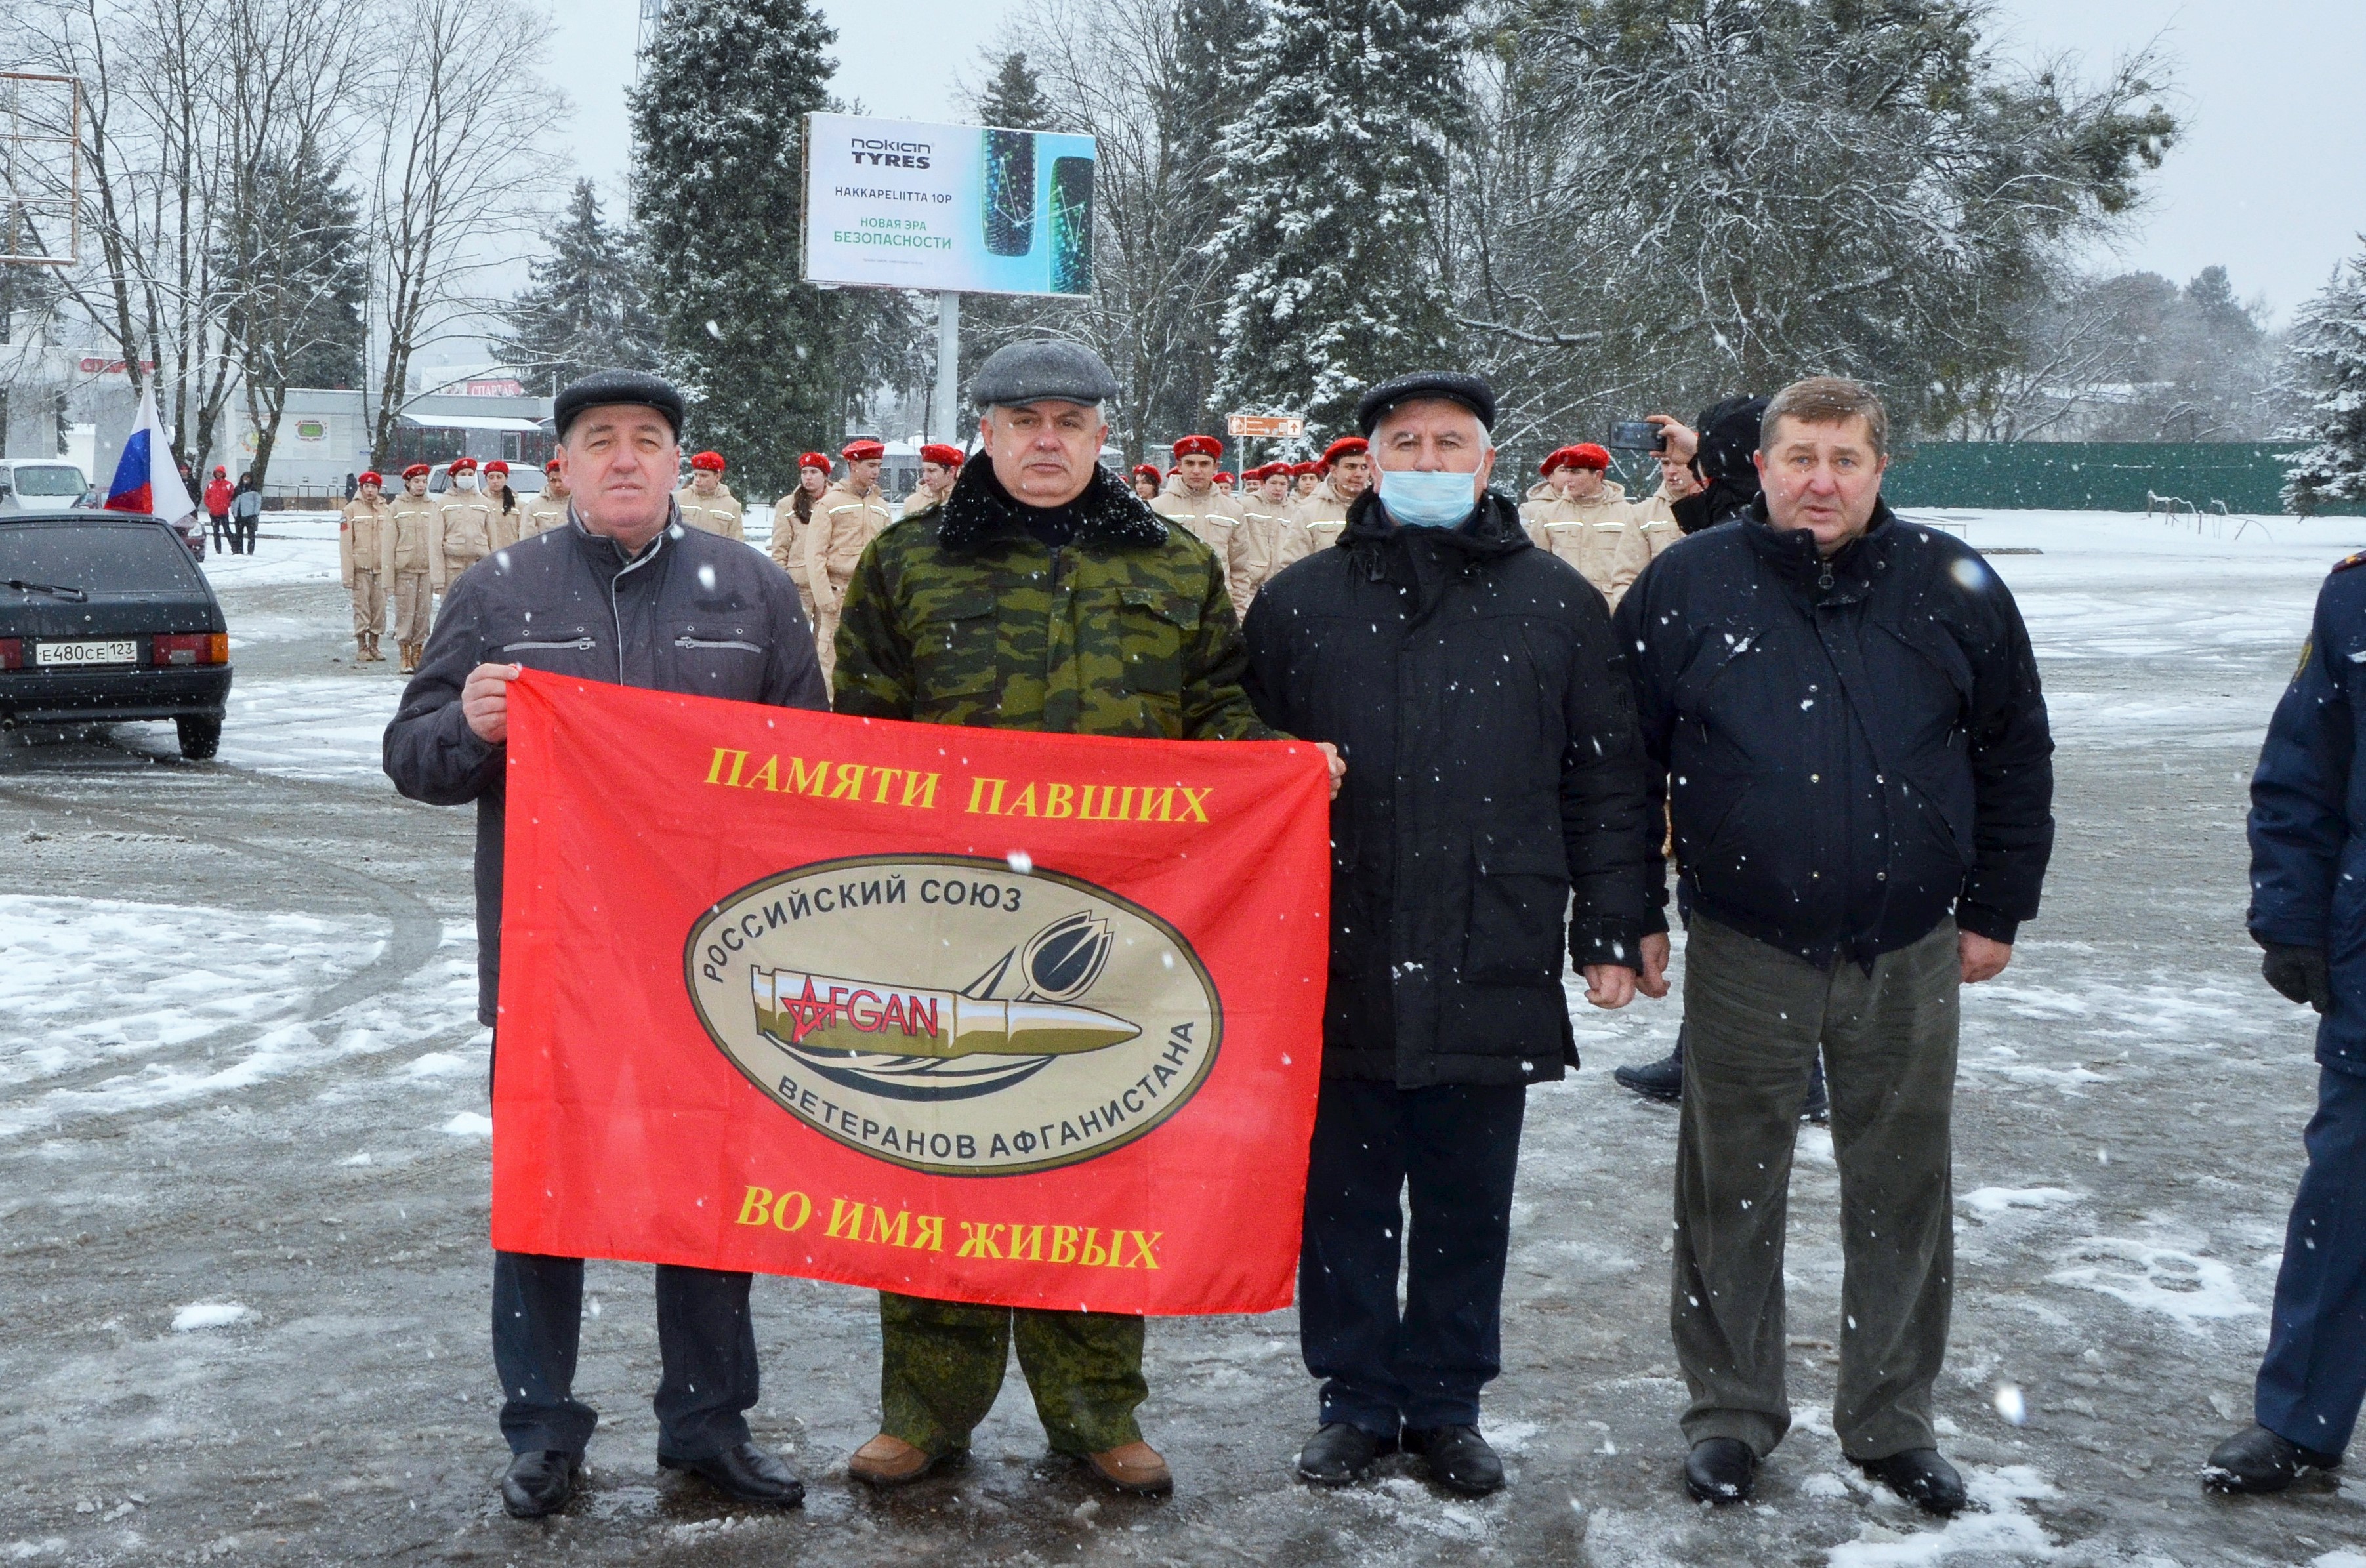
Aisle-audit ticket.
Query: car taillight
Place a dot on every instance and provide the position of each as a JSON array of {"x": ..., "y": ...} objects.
[
  {"x": 12, "y": 653},
  {"x": 192, "y": 648}
]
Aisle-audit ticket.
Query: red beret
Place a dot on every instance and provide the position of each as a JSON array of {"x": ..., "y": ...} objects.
[
  {"x": 1557, "y": 458},
  {"x": 1198, "y": 446},
  {"x": 1149, "y": 469},
  {"x": 1346, "y": 446},
  {"x": 1222, "y": 478},
  {"x": 497, "y": 467},
  {"x": 551, "y": 467},
  {"x": 942, "y": 455},
  {"x": 710, "y": 462},
  {"x": 462, "y": 466},
  {"x": 862, "y": 451},
  {"x": 417, "y": 471},
  {"x": 815, "y": 460},
  {"x": 370, "y": 477},
  {"x": 1310, "y": 466},
  {"x": 1586, "y": 455}
]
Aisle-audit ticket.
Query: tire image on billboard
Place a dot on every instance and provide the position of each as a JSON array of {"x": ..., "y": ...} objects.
[
  {"x": 1072, "y": 225},
  {"x": 1009, "y": 197}
]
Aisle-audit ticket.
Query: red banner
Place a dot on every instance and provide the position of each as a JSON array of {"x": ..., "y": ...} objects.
[{"x": 976, "y": 1014}]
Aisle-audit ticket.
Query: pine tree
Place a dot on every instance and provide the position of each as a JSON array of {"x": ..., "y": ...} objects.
[
  {"x": 1332, "y": 175},
  {"x": 718, "y": 123},
  {"x": 1013, "y": 96},
  {"x": 2329, "y": 343},
  {"x": 585, "y": 310}
]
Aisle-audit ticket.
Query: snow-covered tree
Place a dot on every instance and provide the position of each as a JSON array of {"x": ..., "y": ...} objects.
[
  {"x": 1333, "y": 178},
  {"x": 718, "y": 124},
  {"x": 1013, "y": 94},
  {"x": 585, "y": 309},
  {"x": 2329, "y": 343}
]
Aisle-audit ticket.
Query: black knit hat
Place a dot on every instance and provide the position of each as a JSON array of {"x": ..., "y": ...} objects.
[{"x": 604, "y": 389}]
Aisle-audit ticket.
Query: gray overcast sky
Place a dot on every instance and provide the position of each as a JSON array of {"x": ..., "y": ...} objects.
[{"x": 2268, "y": 182}]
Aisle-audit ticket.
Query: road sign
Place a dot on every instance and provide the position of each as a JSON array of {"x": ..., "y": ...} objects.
[{"x": 1265, "y": 426}]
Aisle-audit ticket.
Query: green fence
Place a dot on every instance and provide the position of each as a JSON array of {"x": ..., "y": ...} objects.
[{"x": 2091, "y": 476}]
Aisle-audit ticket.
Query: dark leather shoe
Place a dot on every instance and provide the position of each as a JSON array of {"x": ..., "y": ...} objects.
[
  {"x": 1339, "y": 1454},
  {"x": 1662, "y": 1079},
  {"x": 747, "y": 1472},
  {"x": 1720, "y": 1470},
  {"x": 540, "y": 1483},
  {"x": 1921, "y": 1476},
  {"x": 2258, "y": 1460},
  {"x": 1460, "y": 1459}
]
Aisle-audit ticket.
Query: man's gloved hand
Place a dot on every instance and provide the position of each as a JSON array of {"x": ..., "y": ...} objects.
[{"x": 2299, "y": 973}]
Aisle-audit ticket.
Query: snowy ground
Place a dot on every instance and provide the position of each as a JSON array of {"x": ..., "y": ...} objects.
[{"x": 244, "y": 1165}]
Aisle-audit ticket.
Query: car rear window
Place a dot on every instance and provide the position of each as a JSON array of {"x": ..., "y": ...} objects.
[
  {"x": 98, "y": 558},
  {"x": 47, "y": 480}
]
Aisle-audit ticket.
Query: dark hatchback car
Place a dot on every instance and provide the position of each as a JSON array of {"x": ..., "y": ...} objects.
[{"x": 105, "y": 617}]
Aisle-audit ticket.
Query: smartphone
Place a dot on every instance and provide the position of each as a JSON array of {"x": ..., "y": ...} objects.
[
  {"x": 1636, "y": 436},
  {"x": 1010, "y": 192},
  {"x": 1072, "y": 225}
]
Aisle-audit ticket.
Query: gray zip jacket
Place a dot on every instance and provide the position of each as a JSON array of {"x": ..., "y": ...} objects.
[{"x": 695, "y": 612}]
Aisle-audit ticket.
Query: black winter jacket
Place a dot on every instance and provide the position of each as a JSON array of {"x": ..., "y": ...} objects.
[
  {"x": 696, "y": 613},
  {"x": 1856, "y": 746},
  {"x": 1472, "y": 683}
]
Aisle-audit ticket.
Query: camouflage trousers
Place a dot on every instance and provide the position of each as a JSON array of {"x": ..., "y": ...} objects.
[{"x": 941, "y": 1365}]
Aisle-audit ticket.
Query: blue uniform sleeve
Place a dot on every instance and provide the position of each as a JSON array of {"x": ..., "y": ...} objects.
[{"x": 2299, "y": 819}]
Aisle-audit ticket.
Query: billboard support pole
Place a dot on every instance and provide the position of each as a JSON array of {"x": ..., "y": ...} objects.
[{"x": 947, "y": 369}]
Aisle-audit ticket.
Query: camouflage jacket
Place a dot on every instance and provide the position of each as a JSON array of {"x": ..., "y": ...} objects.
[{"x": 963, "y": 617}]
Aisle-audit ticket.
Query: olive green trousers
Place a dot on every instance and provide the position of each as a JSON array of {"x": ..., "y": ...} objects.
[{"x": 941, "y": 1365}]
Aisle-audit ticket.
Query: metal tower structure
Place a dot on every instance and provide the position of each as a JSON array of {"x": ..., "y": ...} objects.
[{"x": 653, "y": 13}]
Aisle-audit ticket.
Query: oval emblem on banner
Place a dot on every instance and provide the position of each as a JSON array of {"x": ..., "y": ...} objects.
[{"x": 950, "y": 1015}]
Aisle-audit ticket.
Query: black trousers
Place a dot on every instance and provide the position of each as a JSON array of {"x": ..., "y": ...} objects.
[
  {"x": 248, "y": 527},
  {"x": 223, "y": 530},
  {"x": 1454, "y": 1150},
  {"x": 706, "y": 1342}
]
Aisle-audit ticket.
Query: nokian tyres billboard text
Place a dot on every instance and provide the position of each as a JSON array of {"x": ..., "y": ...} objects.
[{"x": 965, "y": 209}]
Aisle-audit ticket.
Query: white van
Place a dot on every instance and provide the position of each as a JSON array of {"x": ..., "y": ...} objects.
[{"x": 41, "y": 484}]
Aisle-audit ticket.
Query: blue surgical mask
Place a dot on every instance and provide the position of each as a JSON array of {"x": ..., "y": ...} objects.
[{"x": 1417, "y": 500}]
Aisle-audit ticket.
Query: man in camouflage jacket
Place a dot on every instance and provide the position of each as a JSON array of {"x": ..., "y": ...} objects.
[{"x": 1041, "y": 595}]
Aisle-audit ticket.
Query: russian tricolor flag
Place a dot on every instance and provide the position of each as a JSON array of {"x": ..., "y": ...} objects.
[{"x": 146, "y": 479}]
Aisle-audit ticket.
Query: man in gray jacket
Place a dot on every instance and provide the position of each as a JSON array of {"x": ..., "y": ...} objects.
[{"x": 623, "y": 593}]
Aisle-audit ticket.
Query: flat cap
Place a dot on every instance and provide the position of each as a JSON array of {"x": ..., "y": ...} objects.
[
  {"x": 1042, "y": 370},
  {"x": 1455, "y": 387},
  {"x": 604, "y": 389}
]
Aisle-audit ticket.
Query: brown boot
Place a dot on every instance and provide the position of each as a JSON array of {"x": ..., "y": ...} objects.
[
  {"x": 361, "y": 647},
  {"x": 890, "y": 1461},
  {"x": 1137, "y": 1467},
  {"x": 410, "y": 657},
  {"x": 371, "y": 653}
]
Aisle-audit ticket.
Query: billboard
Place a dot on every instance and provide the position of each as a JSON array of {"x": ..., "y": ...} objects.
[{"x": 960, "y": 209}]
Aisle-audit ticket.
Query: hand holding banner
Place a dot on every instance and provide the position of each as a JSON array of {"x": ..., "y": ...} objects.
[{"x": 983, "y": 1015}]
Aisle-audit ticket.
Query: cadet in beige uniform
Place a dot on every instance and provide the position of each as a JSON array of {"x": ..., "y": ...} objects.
[
  {"x": 365, "y": 560},
  {"x": 1303, "y": 478},
  {"x": 1204, "y": 507},
  {"x": 1147, "y": 480},
  {"x": 845, "y": 519},
  {"x": 940, "y": 466},
  {"x": 792, "y": 515},
  {"x": 466, "y": 533},
  {"x": 1276, "y": 537},
  {"x": 548, "y": 510},
  {"x": 502, "y": 504},
  {"x": 1584, "y": 518},
  {"x": 706, "y": 503},
  {"x": 1656, "y": 515},
  {"x": 417, "y": 519},
  {"x": 1344, "y": 474}
]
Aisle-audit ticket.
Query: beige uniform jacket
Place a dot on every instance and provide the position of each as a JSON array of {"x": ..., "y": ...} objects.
[
  {"x": 504, "y": 521},
  {"x": 418, "y": 531},
  {"x": 1218, "y": 521},
  {"x": 1657, "y": 518},
  {"x": 843, "y": 524},
  {"x": 716, "y": 514},
  {"x": 1602, "y": 537},
  {"x": 540, "y": 514},
  {"x": 1323, "y": 515},
  {"x": 788, "y": 547},
  {"x": 365, "y": 539},
  {"x": 465, "y": 538},
  {"x": 1276, "y": 539},
  {"x": 919, "y": 500}
]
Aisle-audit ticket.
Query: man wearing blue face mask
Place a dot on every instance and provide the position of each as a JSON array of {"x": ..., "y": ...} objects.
[{"x": 1491, "y": 831}]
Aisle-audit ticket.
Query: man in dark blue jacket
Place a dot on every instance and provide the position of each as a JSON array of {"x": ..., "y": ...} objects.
[
  {"x": 1493, "y": 821},
  {"x": 623, "y": 593},
  {"x": 2308, "y": 845},
  {"x": 1843, "y": 711}
]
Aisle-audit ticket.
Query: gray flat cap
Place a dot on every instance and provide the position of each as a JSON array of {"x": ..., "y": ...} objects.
[
  {"x": 604, "y": 389},
  {"x": 1042, "y": 370},
  {"x": 1453, "y": 386}
]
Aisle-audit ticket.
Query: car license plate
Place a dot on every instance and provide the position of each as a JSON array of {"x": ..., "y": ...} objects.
[{"x": 84, "y": 653}]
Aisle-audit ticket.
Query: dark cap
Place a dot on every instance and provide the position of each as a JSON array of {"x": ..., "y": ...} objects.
[
  {"x": 604, "y": 389},
  {"x": 1471, "y": 391},
  {"x": 1042, "y": 370}
]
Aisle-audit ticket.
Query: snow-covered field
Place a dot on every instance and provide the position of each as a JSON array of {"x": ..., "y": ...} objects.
[{"x": 244, "y": 1142}]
